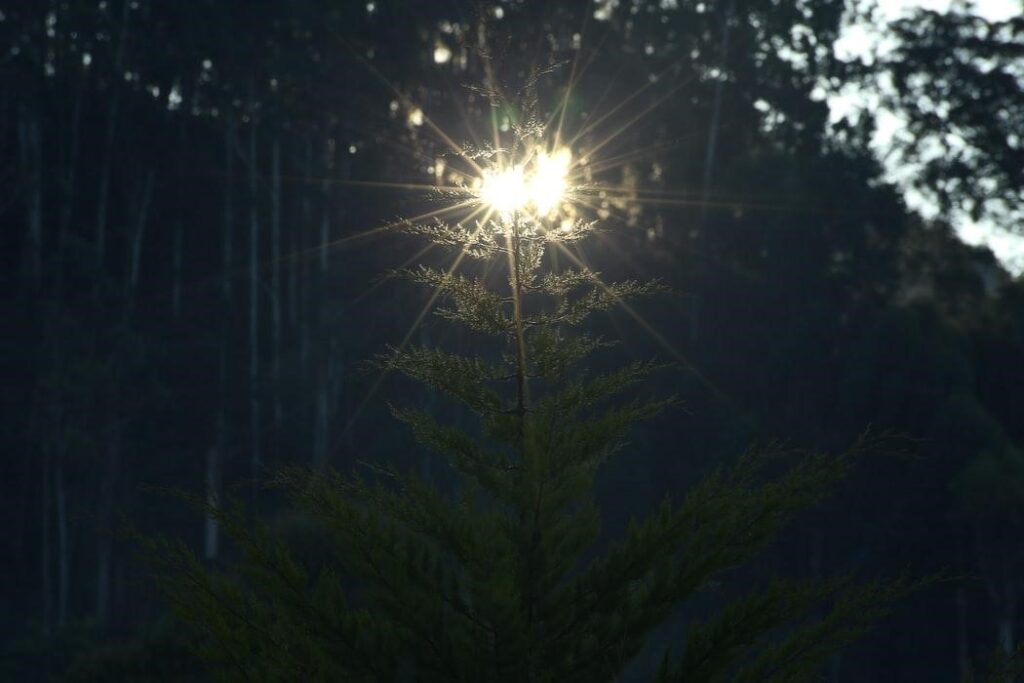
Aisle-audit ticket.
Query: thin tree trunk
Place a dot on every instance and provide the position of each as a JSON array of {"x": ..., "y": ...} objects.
[
  {"x": 305, "y": 288},
  {"x": 293, "y": 277},
  {"x": 320, "y": 439},
  {"x": 135, "y": 255},
  {"x": 108, "y": 150},
  {"x": 67, "y": 186},
  {"x": 323, "y": 409},
  {"x": 104, "y": 537},
  {"x": 216, "y": 456},
  {"x": 963, "y": 657},
  {"x": 211, "y": 525},
  {"x": 254, "y": 355},
  {"x": 963, "y": 652},
  {"x": 63, "y": 548},
  {"x": 176, "y": 258},
  {"x": 716, "y": 112},
  {"x": 229, "y": 157},
  {"x": 275, "y": 284},
  {"x": 31, "y": 168},
  {"x": 46, "y": 560},
  {"x": 176, "y": 266},
  {"x": 1007, "y": 610}
]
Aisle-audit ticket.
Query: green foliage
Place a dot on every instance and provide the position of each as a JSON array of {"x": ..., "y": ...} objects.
[{"x": 494, "y": 578}]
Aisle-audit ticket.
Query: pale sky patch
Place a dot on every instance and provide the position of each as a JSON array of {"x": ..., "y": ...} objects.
[{"x": 860, "y": 40}]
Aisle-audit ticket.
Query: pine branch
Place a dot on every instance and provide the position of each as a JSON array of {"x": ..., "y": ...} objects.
[
  {"x": 476, "y": 306},
  {"x": 463, "y": 378}
]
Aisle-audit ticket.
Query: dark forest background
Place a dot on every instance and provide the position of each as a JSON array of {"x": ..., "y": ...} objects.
[{"x": 191, "y": 282}]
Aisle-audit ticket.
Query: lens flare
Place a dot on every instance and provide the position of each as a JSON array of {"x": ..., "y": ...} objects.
[
  {"x": 538, "y": 185},
  {"x": 547, "y": 184},
  {"x": 505, "y": 189}
]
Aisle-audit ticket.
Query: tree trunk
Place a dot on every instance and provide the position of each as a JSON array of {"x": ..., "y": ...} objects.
[
  {"x": 210, "y": 525},
  {"x": 63, "y": 547},
  {"x": 135, "y": 255},
  {"x": 108, "y": 150},
  {"x": 104, "y": 532},
  {"x": 229, "y": 157},
  {"x": 963, "y": 657},
  {"x": 216, "y": 456},
  {"x": 1007, "y": 615},
  {"x": 254, "y": 311},
  {"x": 176, "y": 266},
  {"x": 716, "y": 113},
  {"x": 304, "y": 284},
  {"x": 31, "y": 168},
  {"x": 46, "y": 560},
  {"x": 176, "y": 257},
  {"x": 67, "y": 183},
  {"x": 275, "y": 282},
  {"x": 323, "y": 409}
]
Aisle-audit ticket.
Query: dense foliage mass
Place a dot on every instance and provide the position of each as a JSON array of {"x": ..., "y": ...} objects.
[{"x": 188, "y": 242}]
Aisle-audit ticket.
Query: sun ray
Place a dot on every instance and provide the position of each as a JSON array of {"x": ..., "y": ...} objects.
[
  {"x": 415, "y": 325},
  {"x": 574, "y": 78},
  {"x": 629, "y": 124},
  {"x": 657, "y": 336}
]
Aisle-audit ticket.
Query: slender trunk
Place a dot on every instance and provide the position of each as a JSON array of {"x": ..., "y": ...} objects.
[
  {"x": 104, "y": 193},
  {"x": 135, "y": 255},
  {"x": 963, "y": 657},
  {"x": 275, "y": 278},
  {"x": 176, "y": 266},
  {"x": 320, "y": 428},
  {"x": 325, "y": 232},
  {"x": 529, "y": 519},
  {"x": 963, "y": 653},
  {"x": 104, "y": 537},
  {"x": 46, "y": 560},
  {"x": 323, "y": 409},
  {"x": 716, "y": 112},
  {"x": 210, "y": 525},
  {"x": 216, "y": 455},
  {"x": 254, "y": 354},
  {"x": 108, "y": 150},
  {"x": 304, "y": 284},
  {"x": 31, "y": 169},
  {"x": 176, "y": 257},
  {"x": 63, "y": 549},
  {"x": 67, "y": 183},
  {"x": 293, "y": 278},
  {"x": 229, "y": 143},
  {"x": 1007, "y": 610},
  {"x": 517, "y": 320}
]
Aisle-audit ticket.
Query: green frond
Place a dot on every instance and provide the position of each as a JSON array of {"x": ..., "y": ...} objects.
[
  {"x": 459, "y": 376},
  {"x": 552, "y": 352},
  {"x": 490, "y": 470},
  {"x": 673, "y": 553},
  {"x": 478, "y": 240},
  {"x": 800, "y": 656},
  {"x": 566, "y": 281},
  {"x": 581, "y": 394},
  {"x": 601, "y": 297},
  {"x": 476, "y": 306},
  {"x": 714, "y": 648}
]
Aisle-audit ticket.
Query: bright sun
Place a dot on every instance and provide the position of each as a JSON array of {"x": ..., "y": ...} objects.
[{"x": 538, "y": 184}]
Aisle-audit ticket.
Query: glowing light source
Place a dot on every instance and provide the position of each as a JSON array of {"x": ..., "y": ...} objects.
[
  {"x": 442, "y": 54},
  {"x": 539, "y": 184},
  {"x": 547, "y": 184},
  {"x": 505, "y": 189}
]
